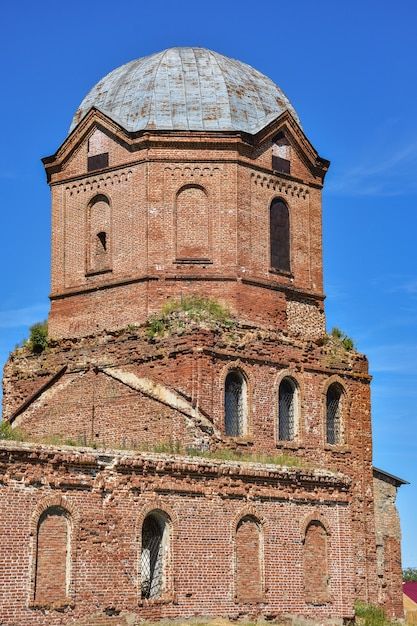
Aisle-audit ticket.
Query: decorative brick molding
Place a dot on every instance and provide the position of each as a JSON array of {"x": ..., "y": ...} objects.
[
  {"x": 281, "y": 186},
  {"x": 94, "y": 184}
]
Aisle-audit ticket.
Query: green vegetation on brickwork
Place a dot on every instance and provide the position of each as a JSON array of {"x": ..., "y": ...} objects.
[
  {"x": 370, "y": 615},
  {"x": 340, "y": 337},
  {"x": 177, "y": 315},
  {"x": 162, "y": 447},
  {"x": 175, "y": 447},
  {"x": 38, "y": 337},
  {"x": 9, "y": 433}
]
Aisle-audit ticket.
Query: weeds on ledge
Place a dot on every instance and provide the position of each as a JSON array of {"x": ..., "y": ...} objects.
[
  {"x": 175, "y": 447},
  {"x": 176, "y": 315},
  {"x": 250, "y": 457},
  {"x": 11, "y": 434},
  {"x": 340, "y": 337},
  {"x": 168, "y": 446}
]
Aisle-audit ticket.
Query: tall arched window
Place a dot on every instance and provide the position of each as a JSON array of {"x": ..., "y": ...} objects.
[
  {"x": 154, "y": 555},
  {"x": 235, "y": 404},
  {"x": 98, "y": 239},
  {"x": 248, "y": 560},
  {"x": 287, "y": 410},
  {"x": 52, "y": 573},
  {"x": 334, "y": 414},
  {"x": 279, "y": 233},
  {"x": 316, "y": 568}
]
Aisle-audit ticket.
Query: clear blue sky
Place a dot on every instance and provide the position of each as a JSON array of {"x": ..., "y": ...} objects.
[{"x": 349, "y": 68}]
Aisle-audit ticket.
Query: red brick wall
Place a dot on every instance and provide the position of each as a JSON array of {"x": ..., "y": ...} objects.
[
  {"x": 107, "y": 496},
  {"x": 316, "y": 570},
  {"x": 51, "y": 558},
  {"x": 388, "y": 540},
  {"x": 88, "y": 403},
  {"x": 248, "y": 561},
  {"x": 186, "y": 216}
]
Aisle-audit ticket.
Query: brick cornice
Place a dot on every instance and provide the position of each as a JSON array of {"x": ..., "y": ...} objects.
[{"x": 157, "y": 465}]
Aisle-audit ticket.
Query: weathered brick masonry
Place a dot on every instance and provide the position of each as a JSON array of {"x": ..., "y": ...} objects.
[
  {"x": 160, "y": 210},
  {"x": 108, "y": 494}
]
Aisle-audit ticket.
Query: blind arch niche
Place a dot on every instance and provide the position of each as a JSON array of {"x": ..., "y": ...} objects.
[{"x": 192, "y": 224}]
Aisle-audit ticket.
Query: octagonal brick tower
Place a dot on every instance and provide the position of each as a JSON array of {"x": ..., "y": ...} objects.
[{"x": 186, "y": 172}]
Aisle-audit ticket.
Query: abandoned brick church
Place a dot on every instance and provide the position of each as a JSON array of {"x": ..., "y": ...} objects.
[{"x": 221, "y": 457}]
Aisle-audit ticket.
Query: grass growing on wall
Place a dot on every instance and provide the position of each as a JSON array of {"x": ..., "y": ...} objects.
[
  {"x": 11, "y": 434},
  {"x": 177, "y": 315},
  {"x": 369, "y": 615}
]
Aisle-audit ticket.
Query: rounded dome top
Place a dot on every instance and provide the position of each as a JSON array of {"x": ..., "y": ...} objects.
[{"x": 187, "y": 89}]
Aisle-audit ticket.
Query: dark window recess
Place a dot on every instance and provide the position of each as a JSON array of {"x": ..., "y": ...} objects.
[
  {"x": 102, "y": 237},
  {"x": 234, "y": 405},
  {"x": 281, "y": 154},
  {"x": 286, "y": 411},
  {"x": 280, "y": 236},
  {"x": 333, "y": 402},
  {"x": 280, "y": 165},
  {"x": 98, "y": 161},
  {"x": 151, "y": 558}
]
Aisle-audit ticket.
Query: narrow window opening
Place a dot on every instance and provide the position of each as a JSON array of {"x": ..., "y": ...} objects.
[
  {"x": 279, "y": 236},
  {"x": 102, "y": 237},
  {"x": 152, "y": 557},
  {"x": 235, "y": 405},
  {"x": 97, "y": 162},
  {"x": 286, "y": 410},
  {"x": 281, "y": 154},
  {"x": 333, "y": 414}
]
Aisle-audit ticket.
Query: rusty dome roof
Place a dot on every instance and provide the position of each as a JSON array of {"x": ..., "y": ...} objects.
[{"x": 187, "y": 89}]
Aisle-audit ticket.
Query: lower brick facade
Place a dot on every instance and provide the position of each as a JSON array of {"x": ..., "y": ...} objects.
[
  {"x": 244, "y": 539},
  {"x": 95, "y": 503}
]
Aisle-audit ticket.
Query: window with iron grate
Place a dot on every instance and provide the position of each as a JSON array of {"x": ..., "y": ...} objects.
[
  {"x": 235, "y": 405},
  {"x": 154, "y": 531},
  {"x": 333, "y": 414},
  {"x": 287, "y": 407}
]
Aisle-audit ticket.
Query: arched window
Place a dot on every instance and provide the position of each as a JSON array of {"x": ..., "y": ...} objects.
[
  {"x": 316, "y": 569},
  {"x": 281, "y": 154},
  {"x": 235, "y": 404},
  {"x": 52, "y": 557},
  {"x": 248, "y": 560},
  {"x": 287, "y": 410},
  {"x": 279, "y": 233},
  {"x": 154, "y": 555},
  {"x": 334, "y": 414},
  {"x": 98, "y": 249}
]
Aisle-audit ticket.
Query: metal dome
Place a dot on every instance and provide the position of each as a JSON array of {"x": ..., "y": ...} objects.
[{"x": 187, "y": 89}]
